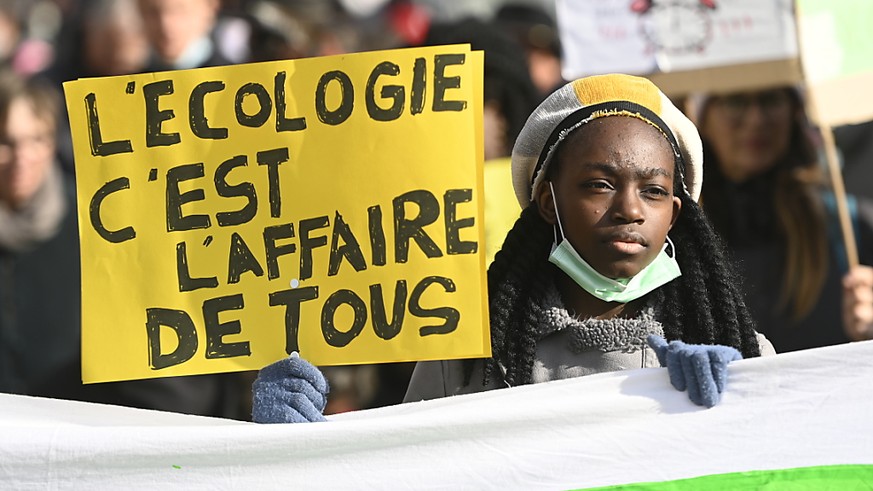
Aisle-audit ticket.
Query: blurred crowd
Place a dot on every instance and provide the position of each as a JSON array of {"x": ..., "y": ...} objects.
[
  {"x": 770, "y": 203},
  {"x": 44, "y": 43}
]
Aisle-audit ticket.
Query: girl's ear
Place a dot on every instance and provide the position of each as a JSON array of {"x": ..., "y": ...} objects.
[
  {"x": 546, "y": 203},
  {"x": 677, "y": 208}
]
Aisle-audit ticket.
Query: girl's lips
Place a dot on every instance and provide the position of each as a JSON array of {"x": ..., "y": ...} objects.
[
  {"x": 626, "y": 247},
  {"x": 626, "y": 241}
]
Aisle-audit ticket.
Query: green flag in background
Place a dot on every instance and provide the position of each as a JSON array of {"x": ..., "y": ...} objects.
[{"x": 837, "y": 38}]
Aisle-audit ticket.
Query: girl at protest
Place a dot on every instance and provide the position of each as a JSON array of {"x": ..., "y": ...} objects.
[
  {"x": 765, "y": 194},
  {"x": 605, "y": 167}
]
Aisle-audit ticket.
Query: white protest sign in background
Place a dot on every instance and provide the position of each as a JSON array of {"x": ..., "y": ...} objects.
[
  {"x": 642, "y": 37},
  {"x": 795, "y": 410}
]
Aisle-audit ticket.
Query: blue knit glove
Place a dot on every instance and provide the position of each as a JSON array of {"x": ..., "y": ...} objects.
[
  {"x": 701, "y": 368},
  {"x": 292, "y": 390}
]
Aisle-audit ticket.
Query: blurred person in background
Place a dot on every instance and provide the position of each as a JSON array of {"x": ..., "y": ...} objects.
[
  {"x": 536, "y": 31},
  {"x": 40, "y": 287},
  {"x": 10, "y": 31},
  {"x": 180, "y": 34},
  {"x": 855, "y": 142},
  {"x": 28, "y": 31},
  {"x": 39, "y": 255},
  {"x": 766, "y": 195},
  {"x": 509, "y": 93},
  {"x": 509, "y": 98},
  {"x": 291, "y": 29},
  {"x": 106, "y": 38}
]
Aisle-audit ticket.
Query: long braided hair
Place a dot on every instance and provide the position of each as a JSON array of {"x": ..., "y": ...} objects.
[{"x": 703, "y": 306}]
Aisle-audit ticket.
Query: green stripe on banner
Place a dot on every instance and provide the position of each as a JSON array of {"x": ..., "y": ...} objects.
[{"x": 829, "y": 477}]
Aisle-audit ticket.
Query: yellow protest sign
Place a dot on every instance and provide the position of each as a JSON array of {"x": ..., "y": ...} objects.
[
  {"x": 501, "y": 206},
  {"x": 332, "y": 206}
]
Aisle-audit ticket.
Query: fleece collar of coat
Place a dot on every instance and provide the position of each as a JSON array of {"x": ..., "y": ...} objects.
[{"x": 618, "y": 334}]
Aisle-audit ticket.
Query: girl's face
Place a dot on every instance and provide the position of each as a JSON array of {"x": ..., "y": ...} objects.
[
  {"x": 614, "y": 191},
  {"x": 749, "y": 131}
]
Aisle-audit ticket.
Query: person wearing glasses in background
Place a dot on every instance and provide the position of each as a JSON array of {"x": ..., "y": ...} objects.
[
  {"x": 39, "y": 253},
  {"x": 40, "y": 290},
  {"x": 766, "y": 195}
]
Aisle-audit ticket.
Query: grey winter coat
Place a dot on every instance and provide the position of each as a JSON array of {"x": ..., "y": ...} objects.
[{"x": 567, "y": 347}]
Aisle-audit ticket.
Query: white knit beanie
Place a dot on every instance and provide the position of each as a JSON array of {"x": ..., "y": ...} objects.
[{"x": 586, "y": 99}]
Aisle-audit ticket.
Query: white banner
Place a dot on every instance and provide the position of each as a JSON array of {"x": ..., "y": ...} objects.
[
  {"x": 648, "y": 36},
  {"x": 801, "y": 409}
]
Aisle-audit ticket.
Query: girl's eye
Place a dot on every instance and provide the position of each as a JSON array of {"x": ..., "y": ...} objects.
[
  {"x": 656, "y": 191},
  {"x": 596, "y": 185}
]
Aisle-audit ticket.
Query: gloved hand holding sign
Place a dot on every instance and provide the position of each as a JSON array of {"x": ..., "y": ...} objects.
[
  {"x": 291, "y": 390},
  {"x": 701, "y": 368}
]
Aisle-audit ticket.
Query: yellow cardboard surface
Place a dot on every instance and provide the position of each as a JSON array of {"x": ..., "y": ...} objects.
[
  {"x": 328, "y": 205},
  {"x": 501, "y": 205}
]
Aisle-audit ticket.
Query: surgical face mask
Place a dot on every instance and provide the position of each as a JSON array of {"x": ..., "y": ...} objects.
[{"x": 659, "y": 272}]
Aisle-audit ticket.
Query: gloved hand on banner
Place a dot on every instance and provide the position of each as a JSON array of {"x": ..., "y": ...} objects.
[
  {"x": 291, "y": 390},
  {"x": 701, "y": 368}
]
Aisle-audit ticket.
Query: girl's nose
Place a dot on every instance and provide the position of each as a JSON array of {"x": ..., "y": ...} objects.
[{"x": 627, "y": 207}]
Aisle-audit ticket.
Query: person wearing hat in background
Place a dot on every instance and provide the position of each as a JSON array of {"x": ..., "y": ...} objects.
[
  {"x": 605, "y": 168},
  {"x": 765, "y": 193}
]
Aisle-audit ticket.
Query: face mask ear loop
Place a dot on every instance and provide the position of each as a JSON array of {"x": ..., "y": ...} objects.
[
  {"x": 557, "y": 215},
  {"x": 672, "y": 247}
]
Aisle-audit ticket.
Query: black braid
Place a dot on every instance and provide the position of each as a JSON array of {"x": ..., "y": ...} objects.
[
  {"x": 705, "y": 305},
  {"x": 518, "y": 274}
]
